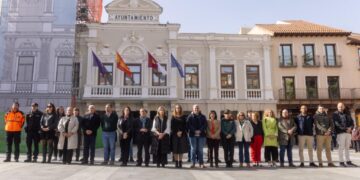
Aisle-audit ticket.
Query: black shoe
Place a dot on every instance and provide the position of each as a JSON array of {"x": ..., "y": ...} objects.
[
  {"x": 111, "y": 163},
  {"x": 138, "y": 164},
  {"x": 16, "y": 160},
  {"x": 147, "y": 165},
  {"x": 282, "y": 165},
  {"x": 321, "y": 165},
  {"x": 302, "y": 165},
  {"x": 34, "y": 161},
  {"x": 163, "y": 165},
  {"x": 157, "y": 165},
  {"x": 84, "y": 162},
  {"x": 104, "y": 163},
  {"x": 132, "y": 160},
  {"x": 92, "y": 163},
  {"x": 331, "y": 165},
  {"x": 292, "y": 165},
  {"x": 313, "y": 165},
  {"x": 176, "y": 164},
  {"x": 122, "y": 164},
  {"x": 342, "y": 164},
  {"x": 349, "y": 163},
  {"x": 27, "y": 160},
  {"x": 180, "y": 164},
  {"x": 7, "y": 160},
  {"x": 120, "y": 160}
]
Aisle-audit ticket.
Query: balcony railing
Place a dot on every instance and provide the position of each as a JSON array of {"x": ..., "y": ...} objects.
[
  {"x": 159, "y": 91},
  {"x": 23, "y": 87},
  {"x": 102, "y": 91},
  {"x": 191, "y": 94},
  {"x": 131, "y": 91},
  {"x": 228, "y": 94},
  {"x": 254, "y": 94},
  {"x": 63, "y": 88},
  {"x": 311, "y": 61},
  {"x": 320, "y": 94},
  {"x": 287, "y": 61},
  {"x": 332, "y": 61}
]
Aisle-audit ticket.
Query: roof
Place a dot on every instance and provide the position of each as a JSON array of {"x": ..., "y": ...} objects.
[
  {"x": 354, "y": 39},
  {"x": 303, "y": 28}
]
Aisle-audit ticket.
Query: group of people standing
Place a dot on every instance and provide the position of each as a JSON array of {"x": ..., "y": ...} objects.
[{"x": 180, "y": 134}]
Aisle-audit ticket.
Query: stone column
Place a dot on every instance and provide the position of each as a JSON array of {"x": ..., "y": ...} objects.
[
  {"x": 212, "y": 73},
  {"x": 173, "y": 73},
  {"x": 267, "y": 73},
  {"x": 45, "y": 59},
  {"x": 9, "y": 58}
]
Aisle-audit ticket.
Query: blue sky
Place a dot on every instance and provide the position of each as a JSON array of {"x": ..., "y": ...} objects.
[{"x": 227, "y": 16}]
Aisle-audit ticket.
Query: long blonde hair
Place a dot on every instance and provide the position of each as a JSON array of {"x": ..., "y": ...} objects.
[
  {"x": 159, "y": 109},
  {"x": 175, "y": 114},
  {"x": 267, "y": 113}
]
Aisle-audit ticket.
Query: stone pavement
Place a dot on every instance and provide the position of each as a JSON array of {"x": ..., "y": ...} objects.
[{"x": 38, "y": 171}]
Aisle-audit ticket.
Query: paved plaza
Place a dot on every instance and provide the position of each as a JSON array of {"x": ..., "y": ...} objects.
[{"x": 97, "y": 172}]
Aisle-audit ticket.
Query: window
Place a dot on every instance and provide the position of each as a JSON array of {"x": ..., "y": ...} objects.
[
  {"x": 135, "y": 80},
  {"x": 309, "y": 55},
  {"x": 286, "y": 58},
  {"x": 64, "y": 69},
  {"x": 330, "y": 54},
  {"x": 158, "y": 79},
  {"x": 191, "y": 77},
  {"x": 76, "y": 75},
  {"x": 253, "y": 77},
  {"x": 333, "y": 87},
  {"x": 25, "y": 69},
  {"x": 289, "y": 87},
  {"x": 311, "y": 87},
  {"x": 106, "y": 79},
  {"x": 227, "y": 76}
]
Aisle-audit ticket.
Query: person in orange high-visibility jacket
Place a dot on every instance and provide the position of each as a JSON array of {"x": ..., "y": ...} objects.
[{"x": 14, "y": 121}]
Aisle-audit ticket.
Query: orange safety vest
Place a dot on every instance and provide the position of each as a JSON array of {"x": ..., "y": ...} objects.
[{"x": 14, "y": 121}]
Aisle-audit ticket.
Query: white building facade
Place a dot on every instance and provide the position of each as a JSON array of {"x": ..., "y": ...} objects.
[
  {"x": 39, "y": 53},
  {"x": 222, "y": 71}
]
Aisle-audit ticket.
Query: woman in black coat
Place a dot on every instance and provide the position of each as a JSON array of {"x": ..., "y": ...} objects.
[
  {"x": 48, "y": 124},
  {"x": 125, "y": 126},
  {"x": 179, "y": 139},
  {"x": 160, "y": 145}
]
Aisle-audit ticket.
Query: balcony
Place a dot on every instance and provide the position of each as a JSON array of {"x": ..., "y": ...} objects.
[
  {"x": 192, "y": 94},
  {"x": 63, "y": 88},
  {"x": 320, "y": 94},
  {"x": 102, "y": 91},
  {"x": 23, "y": 87},
  {"x": 332, "y": 61},
  {"x": 131, "y": 92},
  {"x": 228, "y": 94},
  {"x": 311, "y": 62},
  {"x": 127, "y": 92},
  {"x": 159, "y": 91},
  {"x": 254, "y": 94},
  {"x": 287, "y": 61}
]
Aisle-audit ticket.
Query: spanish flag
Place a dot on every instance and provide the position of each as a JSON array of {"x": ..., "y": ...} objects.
[{"x": 120, "y": 64}]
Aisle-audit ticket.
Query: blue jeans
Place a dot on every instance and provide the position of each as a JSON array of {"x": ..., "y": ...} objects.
[
  {"x": 197, "y": 146},
  {"x": 109, "y": 145},
  {"x": 288, "y": 148},
  {"x": 244, "y": 148}
]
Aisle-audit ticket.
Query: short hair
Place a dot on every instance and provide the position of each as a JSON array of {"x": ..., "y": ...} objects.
[
  {"x": 76, "y": 109},
  {"x": 16, "y": 103},
  {"x": 256, "y": 114},
  {"x": 143, "y": 110},
  {"x": 110, "y": 105}
]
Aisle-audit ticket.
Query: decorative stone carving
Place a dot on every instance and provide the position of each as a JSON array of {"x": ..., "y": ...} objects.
[
  {"x": 27, "y": 48},
  {"x": 191, "y": 56},
  {"x": 225, "y": 54},
  {"x": 252, "y": 54},
  {"x": 133, "y": 38},
  {"x": 133, "y": 53},
  {"x": 65, "y": 49}
]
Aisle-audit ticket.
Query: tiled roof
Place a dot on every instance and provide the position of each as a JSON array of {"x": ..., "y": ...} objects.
[
  {"x": 354, "y": 39},
  {"x": 300, "y": 27}
]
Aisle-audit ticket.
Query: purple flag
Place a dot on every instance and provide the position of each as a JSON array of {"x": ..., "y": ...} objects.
[{"x": 97, "y": 62}]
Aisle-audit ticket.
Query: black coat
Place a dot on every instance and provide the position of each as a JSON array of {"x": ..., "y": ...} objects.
[
  {"x": 33, "y": 122},
  {"x": 109, "y": 123},
  {"x": 90, "y": 122},
  {"x": 307, "y": 127},
  {"x": 165, "y": 142},
  {"x": 48, "y": 121},
  {"x": 341, "y": 125},
  {"x": 141, "y": 136},
  {"x": 126, "y": 126},
  {"x": 179, "y": 145},
  {"x": 196, "y": 123}
]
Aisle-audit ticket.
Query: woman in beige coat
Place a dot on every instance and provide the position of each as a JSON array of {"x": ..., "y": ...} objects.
[{"x": 68, "y": 139}]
